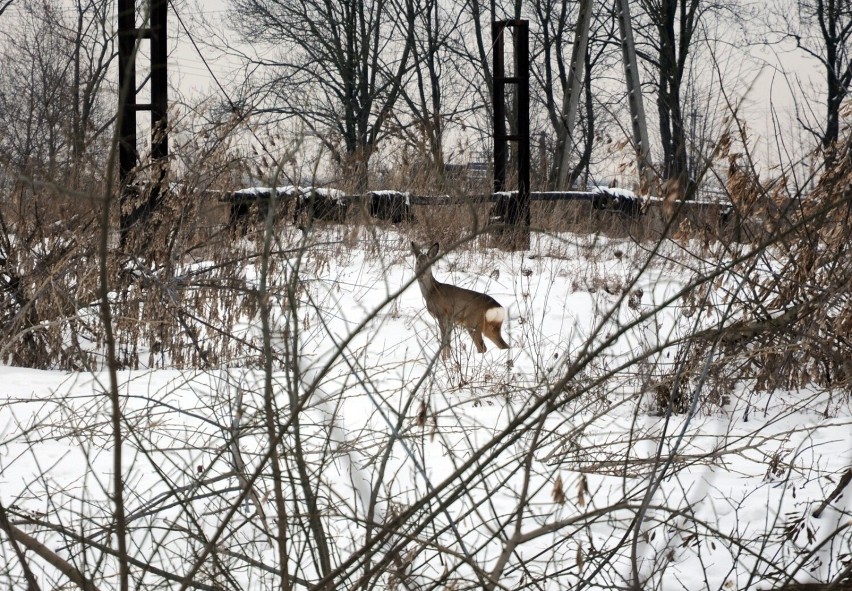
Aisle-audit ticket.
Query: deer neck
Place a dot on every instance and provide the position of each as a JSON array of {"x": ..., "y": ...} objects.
[{"x": 426, "y": 281}]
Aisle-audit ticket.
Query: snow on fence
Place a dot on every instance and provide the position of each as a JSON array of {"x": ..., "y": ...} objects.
[{"x": 304, "y": 204}]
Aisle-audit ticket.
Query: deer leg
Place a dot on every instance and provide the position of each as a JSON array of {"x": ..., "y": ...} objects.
[
  {"x": 446, "y": 331},
  {"x": 492, "y": 331},
  {"x": 476, "y": 335}
]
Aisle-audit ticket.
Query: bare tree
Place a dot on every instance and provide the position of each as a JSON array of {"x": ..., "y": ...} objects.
[
  {"x": 426, "y": 96},
  {"x": 4, "y": 5},
  {"x": 553, "y": 37},
  {"x": 52, "y": 91},
  {"x": 53, "y": 133},
  {"x": 336, "y": 67},
  {"x": 822, "y": 30},
  {"x": 673, "y": 27},
  {"x": 93, "y": 53},
  {"x": 549, "y": 70}
]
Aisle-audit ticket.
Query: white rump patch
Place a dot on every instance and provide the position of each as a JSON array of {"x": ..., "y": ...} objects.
[{"x": 497, "y": 314}]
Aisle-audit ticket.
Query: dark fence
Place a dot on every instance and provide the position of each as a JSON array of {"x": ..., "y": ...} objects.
[
  {"x": 390, "y": 205},
  {"x": 304, "y": 205}
]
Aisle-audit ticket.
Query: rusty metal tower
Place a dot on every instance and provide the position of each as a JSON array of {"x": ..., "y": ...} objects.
[
  {"x": 129, "y": 37},
  {"x": 513, "y": 210}
]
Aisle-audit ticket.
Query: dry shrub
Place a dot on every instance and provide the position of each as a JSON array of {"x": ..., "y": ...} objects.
[
  {"x": 449, "y": 223},
  {"x": 173, "y": 313},
  {"x": 46, "y": 274},
  {"x": 781, "y": 310},
  {"x": 581, "y": 217},
  {"x": 178, "y": 283},
  {"x": 792, "y": 311}
]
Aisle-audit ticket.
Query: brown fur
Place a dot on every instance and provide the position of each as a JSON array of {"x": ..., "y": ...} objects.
[{"x": 478, "y": 313}]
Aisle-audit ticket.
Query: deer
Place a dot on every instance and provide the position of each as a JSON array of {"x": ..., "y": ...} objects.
[{"x": 478, "y": 313}]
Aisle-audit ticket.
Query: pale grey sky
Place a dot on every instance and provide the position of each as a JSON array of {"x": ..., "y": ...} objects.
[{"x": 769, "y": 94}]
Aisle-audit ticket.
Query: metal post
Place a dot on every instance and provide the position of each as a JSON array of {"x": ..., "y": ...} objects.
[
  {"x": 127, "y": 154},
  {"x": 159, "y": 106},
  {"x": 499, "y": 107},
  {"x": 159, "y": 81},
  {"x": 521, "y": 215},
  {"x": 133, "y": 212},
  {"x": 514, "y": 211}
]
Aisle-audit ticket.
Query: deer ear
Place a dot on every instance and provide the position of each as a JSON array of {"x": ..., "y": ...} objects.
[
  {"x": 433, "y": 250},
  {"x": 414, "y": 248}
]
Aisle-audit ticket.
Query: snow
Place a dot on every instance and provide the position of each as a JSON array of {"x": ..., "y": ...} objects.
[
  {"x": 614, "y": 191},
  {"x": 289, "y": 190},
  {"x": 282, "y": 190},
  {"x": 726, "y": 494}
]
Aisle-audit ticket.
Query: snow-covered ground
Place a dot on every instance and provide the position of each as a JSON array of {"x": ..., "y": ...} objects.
[{"x": 539, "y": 467}]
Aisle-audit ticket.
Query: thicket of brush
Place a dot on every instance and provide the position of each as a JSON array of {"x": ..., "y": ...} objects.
[{"x": 184, "y": 282}]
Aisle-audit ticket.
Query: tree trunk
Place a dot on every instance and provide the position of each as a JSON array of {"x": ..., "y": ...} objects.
[{"x": 833, "y": 101}]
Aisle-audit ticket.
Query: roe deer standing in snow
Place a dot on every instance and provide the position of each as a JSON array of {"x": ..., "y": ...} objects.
[{"x": 477, "y": 312}]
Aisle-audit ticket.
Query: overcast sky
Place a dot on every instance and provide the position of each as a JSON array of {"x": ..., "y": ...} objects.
[
  {"x": 192, "y": 77},
  {"x": 762, "y": 94}
]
